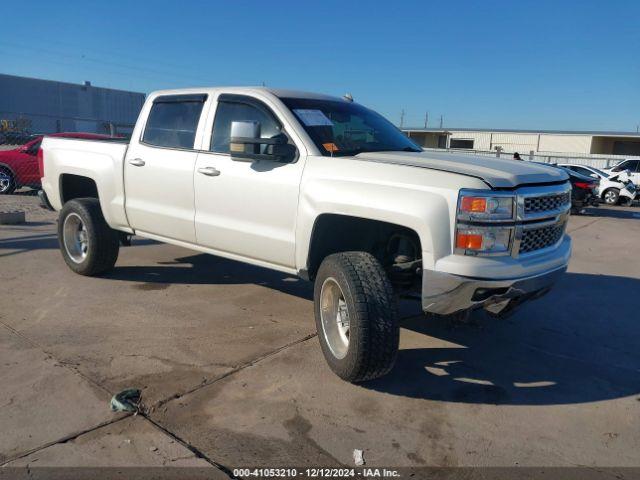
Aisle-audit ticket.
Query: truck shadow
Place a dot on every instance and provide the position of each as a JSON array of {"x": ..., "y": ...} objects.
[
  {"x": 25, "y": 243},
  {"x": 39, "y": 241},
  {"x": 202, "y": 269},
  {"x": 578, "y": 344}
]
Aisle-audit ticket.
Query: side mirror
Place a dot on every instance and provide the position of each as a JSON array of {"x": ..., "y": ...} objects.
[
  {"x": 245, "y": 142},
  {"x": 243, "y": 134}
]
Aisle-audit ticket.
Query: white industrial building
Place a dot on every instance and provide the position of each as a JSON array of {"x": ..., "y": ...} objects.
[{"x": 539, "y": 142}]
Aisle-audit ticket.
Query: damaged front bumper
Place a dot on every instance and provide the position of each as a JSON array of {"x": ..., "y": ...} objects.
[{"x": 445, "y": 293}]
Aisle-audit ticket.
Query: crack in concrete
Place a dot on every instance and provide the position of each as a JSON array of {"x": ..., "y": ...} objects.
[
  {"x": 64, "y": 439},
  {"x": 233, "y": 371},
  {"x": 223, "y": 468}
]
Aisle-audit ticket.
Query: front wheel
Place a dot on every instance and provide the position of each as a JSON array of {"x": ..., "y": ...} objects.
[
  {"x": 611, "y": 196},
  {"x": 88, "y": 245},
  {"x": 356, "y": 316},
  {"x": 7, "y": 181}
]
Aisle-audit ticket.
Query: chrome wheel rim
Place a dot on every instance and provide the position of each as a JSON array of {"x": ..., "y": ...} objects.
[
  {"x": 334, "y": 317},
  {"x": 609, "y": 197},
  {"x": 5, "y": 182},
  {"x": 75, "y": 238}
]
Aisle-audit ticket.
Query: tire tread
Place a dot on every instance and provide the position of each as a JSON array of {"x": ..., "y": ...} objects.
[{"x": 376, "y": 310}]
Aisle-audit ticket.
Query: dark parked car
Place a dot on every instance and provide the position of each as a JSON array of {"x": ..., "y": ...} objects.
[{"x": 583, "y": 192}]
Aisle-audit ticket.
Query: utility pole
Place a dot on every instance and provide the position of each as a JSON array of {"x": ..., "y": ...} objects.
[
  {"x": 402, "y": 118},
  {"x": 441, "y": 120},
  {"x": 426, "y": 119}
]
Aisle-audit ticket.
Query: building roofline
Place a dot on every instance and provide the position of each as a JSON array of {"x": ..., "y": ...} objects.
[
  {"x": 20, "y": 77},
  {"x": 594, "y": 133}
]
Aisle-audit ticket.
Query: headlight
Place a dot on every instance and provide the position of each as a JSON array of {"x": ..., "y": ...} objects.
[
  {"x": 485, "y": 206},
  {"x": 489, "y": 208},
  {"x": 475, "y": 240}
]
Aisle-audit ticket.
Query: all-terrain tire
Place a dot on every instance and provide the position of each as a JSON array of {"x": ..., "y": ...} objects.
[
  {"x": 373, "y": 332},
  {"x": 100, "y": 251},
  {"x": 7, "y": 181}
]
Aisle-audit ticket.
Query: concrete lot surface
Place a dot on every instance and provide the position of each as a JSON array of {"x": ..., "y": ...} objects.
[{"x": 232, "y": 374}]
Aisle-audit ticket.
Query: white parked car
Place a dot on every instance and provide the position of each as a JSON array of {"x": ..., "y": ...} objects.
[
  {"x": 632, "y": 165},
  {"x": 322, "y": 188},
  {"x": 615, "y": 187}
]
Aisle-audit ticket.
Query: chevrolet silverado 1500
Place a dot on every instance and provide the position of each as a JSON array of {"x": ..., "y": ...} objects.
[{"x": 322, "y": 188}]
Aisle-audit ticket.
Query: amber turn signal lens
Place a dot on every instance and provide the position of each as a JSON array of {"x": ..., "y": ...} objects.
[
  {"x": 473, "y": 204},
  {"x": 468, "y": 241}
]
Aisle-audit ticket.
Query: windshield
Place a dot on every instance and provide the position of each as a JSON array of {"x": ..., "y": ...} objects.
[{"x": 342, "y": 128}]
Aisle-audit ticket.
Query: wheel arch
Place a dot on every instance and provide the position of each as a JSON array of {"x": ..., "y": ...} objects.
[
  {"x": 355, "y": 233},
  {"x": 72, "y": 186},
  {"x": 8, "y": 167}
]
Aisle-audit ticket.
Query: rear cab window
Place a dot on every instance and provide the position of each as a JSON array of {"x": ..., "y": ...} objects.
[{"x": 173, "y": 121}]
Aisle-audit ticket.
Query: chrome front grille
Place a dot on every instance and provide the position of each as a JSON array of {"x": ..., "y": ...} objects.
[
  {"x": 537, "y": 238},
  {"x": 546, "y": 203}
]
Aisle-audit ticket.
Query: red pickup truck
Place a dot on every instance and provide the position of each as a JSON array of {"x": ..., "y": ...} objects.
[{"x": 19, "y": 166}]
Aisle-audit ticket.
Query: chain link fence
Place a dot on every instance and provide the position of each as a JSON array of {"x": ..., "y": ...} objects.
[
  {"x": 593, "y": 160},
  {"x": 20, "y": 139}
]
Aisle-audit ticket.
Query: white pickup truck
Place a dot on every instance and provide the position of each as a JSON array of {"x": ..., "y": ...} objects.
[{"x": 322, "y": 188}]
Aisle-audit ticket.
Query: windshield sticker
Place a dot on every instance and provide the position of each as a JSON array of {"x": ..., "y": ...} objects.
[
  {"x": 330, "y": 147},
  {"x": 313, "y": 118}
]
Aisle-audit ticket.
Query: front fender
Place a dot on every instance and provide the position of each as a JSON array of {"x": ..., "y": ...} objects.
[{"x": 426, "y": 213}]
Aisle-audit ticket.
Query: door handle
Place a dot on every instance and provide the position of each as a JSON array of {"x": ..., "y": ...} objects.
[
  {"x": 137, "y": 162},
  {"x": 209, "y": 171}
]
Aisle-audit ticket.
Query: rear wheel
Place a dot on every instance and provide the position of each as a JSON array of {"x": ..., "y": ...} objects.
[
  {"x": 88, "y": 245},
  {"x": 7, "y": 181},
  {"x": 611, "y": 196},
  {"x": 356, "y": 316}
]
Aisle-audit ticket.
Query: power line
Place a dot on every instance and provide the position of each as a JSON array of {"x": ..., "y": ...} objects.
[{"x": 102, "y": 62}]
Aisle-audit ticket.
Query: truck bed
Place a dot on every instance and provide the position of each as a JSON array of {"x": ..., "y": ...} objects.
[{"x": 97, "y": 160}]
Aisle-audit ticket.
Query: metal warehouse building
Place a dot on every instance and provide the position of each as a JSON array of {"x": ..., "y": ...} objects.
[
  {"x": 31, "y": 105},
  {"x": 526, "y": 141}
]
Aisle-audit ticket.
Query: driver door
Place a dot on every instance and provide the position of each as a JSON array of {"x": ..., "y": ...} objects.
[{"x": 246, "y": 209}]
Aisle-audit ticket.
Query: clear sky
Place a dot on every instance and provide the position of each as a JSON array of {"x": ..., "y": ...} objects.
[{"x": 503, "y": 64}]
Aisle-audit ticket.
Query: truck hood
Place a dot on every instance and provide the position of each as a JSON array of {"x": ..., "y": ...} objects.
[{"x": 496, "y": 172}]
